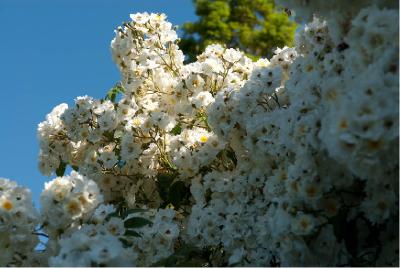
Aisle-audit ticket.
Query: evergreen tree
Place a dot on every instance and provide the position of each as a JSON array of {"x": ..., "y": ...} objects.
[{"x": 254, "y": 26}]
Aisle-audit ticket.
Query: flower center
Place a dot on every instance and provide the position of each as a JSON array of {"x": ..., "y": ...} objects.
[{"x": 7, "y": 205}]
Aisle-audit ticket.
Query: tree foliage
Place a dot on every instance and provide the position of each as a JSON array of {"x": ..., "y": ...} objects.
[{"x": 254, "y": 26}]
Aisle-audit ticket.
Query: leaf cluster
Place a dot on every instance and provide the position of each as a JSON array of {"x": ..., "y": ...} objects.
[
  {"x": 114, "y": 92},
  {"x": 254, "y": 26},
  {"x": 173, "y": 192}
]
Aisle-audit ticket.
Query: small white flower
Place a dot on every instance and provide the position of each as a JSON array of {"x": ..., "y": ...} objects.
[
  {"x": 303, "y": 224},
  {"x": 232, "y": 55}
]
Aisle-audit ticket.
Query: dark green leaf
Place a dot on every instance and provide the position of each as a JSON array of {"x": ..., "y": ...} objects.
[
  {"x": 131, "y": 233},
  {"x": 126, "y": 213},
  {"x": 112, "y": 214},
  {"x": 164, "y": 181},
  {"x": 177, "y": 130},
  {"x": 76, "y": 168},
  {"x": 109, "y": 135},
  {"x": 231, "y": 154},
  {"x": 136, "y": 222},
  {"x": 177, "y": 193},
  {"x": 61, "y": 169}
]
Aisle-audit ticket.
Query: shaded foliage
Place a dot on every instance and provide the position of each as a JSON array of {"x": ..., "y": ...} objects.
[{"x": 254, "y": 26}]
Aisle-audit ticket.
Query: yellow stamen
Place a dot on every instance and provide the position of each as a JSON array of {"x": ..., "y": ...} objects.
[
  {"x": 374, "y": 145},
  {"x": 7, "y": 205},
  {"x": 343, "y": 124},
  {"x": 304, "y": 224},
  {"x": 73, "y": 207},
  {"x": 136, "y": 122},
  {"x": 83, "y": 200},
  {"x": 311, "y": 191},
  {"x": 203, "y": 138}
]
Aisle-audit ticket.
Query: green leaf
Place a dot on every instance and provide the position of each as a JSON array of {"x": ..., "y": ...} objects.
[
  {"x": 136, "y": 222},
  {"x": 131, "y": 211},
  {"x": 132, "y": 233},
  {"x": 109, "y": 135},
  {"x": 164, "y": 181},
  {"x": 61, "y": 169},
  {"x": 177, "y": 193},
  {"x": 176, "y": 130},
  {"x": 231, "y": 154},
  {"x": 112, "y": 214},
  {"x": 113, "y": 93},
  {"x": 76, "y": 168}
]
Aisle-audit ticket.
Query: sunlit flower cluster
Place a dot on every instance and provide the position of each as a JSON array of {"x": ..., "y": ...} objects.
[
  {"x": 291, "y": 161},
  {"x": 159, "y": 124},
  {"x": 66, "y": 200},
  {"x": 107, "y": 241},
  {"x": 18, "y": 220},
  {"x": 91, "y": 246}
]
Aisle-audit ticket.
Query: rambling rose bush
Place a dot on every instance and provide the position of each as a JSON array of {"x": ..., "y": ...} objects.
[{"x": 291, "y": 161}]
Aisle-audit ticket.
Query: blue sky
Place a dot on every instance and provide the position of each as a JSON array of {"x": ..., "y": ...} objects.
[{"x": 52, "y": 51}]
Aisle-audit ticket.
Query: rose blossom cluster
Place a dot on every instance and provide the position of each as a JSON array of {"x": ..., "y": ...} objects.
[
  {"x": 291, "y": 161},
  {"x": 107, "y": 241},
  {"x": 159, "y": 124},
  {"x": 18, "y": 220},
  {"x": 158, "y": 127},
  {"x": 315, "y": 136}
]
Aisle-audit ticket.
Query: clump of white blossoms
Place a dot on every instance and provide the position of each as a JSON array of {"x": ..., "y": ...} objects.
[
  {"x": 91, "y": 247},
  {"x": 290, "y": 161},
  {"x": 322, "y": 144},
  {"x": 67, "y": 200},
  {"x": 139, "y": 238},
  {"x": 18, "y": 220},
  {"x": 155, "y": 241},
  {"x": 158, "y": 126}
]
